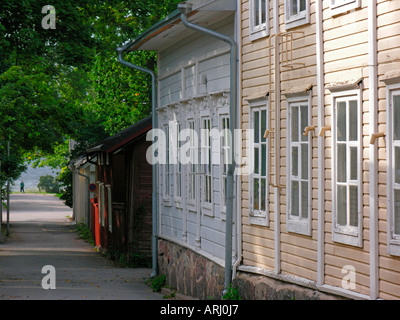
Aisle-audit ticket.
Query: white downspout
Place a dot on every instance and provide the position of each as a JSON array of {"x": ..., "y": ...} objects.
[
  {"x": 277, "y": 217},
  {"x": 321, "y": 144},
  {"x": 238, "y": 37},
  {"x": 373, "y": 167}
]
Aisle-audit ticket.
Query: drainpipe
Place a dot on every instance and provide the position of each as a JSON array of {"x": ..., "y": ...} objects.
[
  {"x": 373, "y": 168},
  {"x": 120, "y": 51},
  {"x": 186, "y": 8}
]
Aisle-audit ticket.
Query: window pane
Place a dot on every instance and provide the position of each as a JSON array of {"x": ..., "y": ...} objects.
[
  {"x": 397, "y": 164},
  {"x": 263, "y": 195},
  {"x": 295, "y": 124},
  {"x": 295, "y": 161},
  {"x": 302, "y": 5},
  {"x": 353, "y": 163},
  {"x": 293, "y": 7},
  {"x": 304, "y": 161},
  {"x": 354, "y": 206},
  {"x": 341, "y": 205},
  {"x": 256, "y": 160},
  {"x": 341, "y": 163},
  {"x": 304, "y": 121},
  {"x": 264, "y": 160},
  {"x": 256, "y": 196},
  {"x": 256, "y": 12},
  {"x": 397, "y": 211},
  {"x": 341, "y": 121},
  {"x": 396, "y": 117},
  {"x": 263, "y": 123},
  {"x": 295, "y": 198},
  {"x": 353, "y": 123},
  {"x": 304, "y": 199},
  {"x": 256, "y": 127},
  {"x": 263, "y": 11}
]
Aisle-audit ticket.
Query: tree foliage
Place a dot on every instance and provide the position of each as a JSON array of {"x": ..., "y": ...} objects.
[{"x": 66, "y": 83}]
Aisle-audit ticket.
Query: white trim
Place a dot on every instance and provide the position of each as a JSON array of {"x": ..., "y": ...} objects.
[
  {"x": 321, "y": 143},
  {"x": 373, "y": 169},
  {"x": 351, "y": 235},
  {"x": 298, "y": 224},
  {"x": 342, "y": 6},
  {"x": 261, "y": 30},
  {"x": 110, "y": 211}
]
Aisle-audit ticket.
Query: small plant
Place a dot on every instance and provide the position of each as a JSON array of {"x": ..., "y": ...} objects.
[
  {"x": 231, "y": 294},
  {"x": 84, "y": 232},
  {"x": 157, "y": 282}
]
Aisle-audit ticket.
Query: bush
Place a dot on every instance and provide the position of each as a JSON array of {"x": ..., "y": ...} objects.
[{"x": 48, "y": 184}]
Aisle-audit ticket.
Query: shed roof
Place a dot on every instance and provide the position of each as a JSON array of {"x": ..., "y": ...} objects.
[{"x": 123, "y": 137}]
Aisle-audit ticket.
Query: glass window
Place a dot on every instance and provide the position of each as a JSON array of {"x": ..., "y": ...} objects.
[
  {"x": 258, "y": 19},
  {"x": 299, "y": 187},
  {"x": 347, "y": 169},
  {"x": 296, "y": 13},
  {"x": 259, "y": 176}
]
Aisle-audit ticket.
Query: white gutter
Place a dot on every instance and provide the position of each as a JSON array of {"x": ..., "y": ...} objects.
[
  {"x": 321, "y": 145},
  {"x": 373, "y": 167}
]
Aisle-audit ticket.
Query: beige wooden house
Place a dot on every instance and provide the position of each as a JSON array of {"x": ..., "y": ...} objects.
[{"x": 320, "y": 87}]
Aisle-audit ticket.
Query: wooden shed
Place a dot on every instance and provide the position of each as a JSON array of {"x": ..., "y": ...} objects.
[{"x": 122, "y": 212}]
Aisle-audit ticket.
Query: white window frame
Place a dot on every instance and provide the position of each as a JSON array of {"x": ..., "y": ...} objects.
[
  {"x": 206, "y": 183},
  {"x": 393, "y": 239},
  {"x": 301, "y": 18},
  {"x": 256, "y": 216},
  {"x": 351, "y": 235},
  {"x": 167, "y": 168},
  {"x": 257, "y": 31},
  {"x": 299, "y": 224},
  {"x": 341, "y": 6},
  {"x": 192, "y": 165},
  {"x": 178, "y": 169},
  {"x": 225, "y": 158}
]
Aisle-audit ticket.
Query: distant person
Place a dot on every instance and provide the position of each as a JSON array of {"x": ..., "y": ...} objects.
[{"x": 22, "y": 187}]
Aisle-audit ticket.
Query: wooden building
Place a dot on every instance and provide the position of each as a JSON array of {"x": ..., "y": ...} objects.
[
  {"x": 193, "y": 80},
  {"x": 320, "y": 86},
  {"x": 122, "y": 212}
]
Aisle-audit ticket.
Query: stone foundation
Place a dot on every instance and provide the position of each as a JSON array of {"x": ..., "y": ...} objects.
[
  {"x": 258, "y": 287},
  {"x": 189, "y": 272}
]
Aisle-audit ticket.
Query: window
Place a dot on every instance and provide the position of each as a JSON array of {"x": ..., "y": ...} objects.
[
  {"x": 225, "y": 158},
  {"x": 259, "y": 179},
  {"x": 167, "y": 166},
  {"x": 178, "y": 175},
  {"x": 299, "y": 161},
  {"x": 206, "y": 188},
  {"x": 258, "y": 19},
  {"x": 193, "y": 162},
  {"x": 393, "y": 140},
  {"x": 341, "y": 6},
  {"x": 296, "y": 13},
  {"x": 347, "y": 166}
]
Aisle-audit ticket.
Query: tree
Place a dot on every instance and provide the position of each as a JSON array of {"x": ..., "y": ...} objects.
[{"x": 48, "y": 184}]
